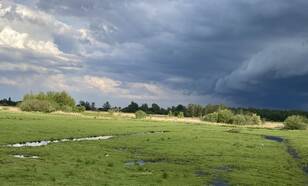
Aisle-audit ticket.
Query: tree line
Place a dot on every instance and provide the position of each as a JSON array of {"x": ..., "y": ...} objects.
[
  {"x": 196, "y": 110},
  {"x": 8, "y": 102},
  {"x": 52, "y": 101}
]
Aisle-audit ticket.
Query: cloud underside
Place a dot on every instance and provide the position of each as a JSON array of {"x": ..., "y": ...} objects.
[{"x": 243, "y": 53}]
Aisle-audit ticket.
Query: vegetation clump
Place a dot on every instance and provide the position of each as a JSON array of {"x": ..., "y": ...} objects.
[
  {"x": 212, "y": 117},
  {"x": 227, "y": 116},
  {"x": 49, "y": 102},
  {"x": 140, "y": 114},
  {"x": 296, "y": 122},
  {"x": 180, "y": 115}
]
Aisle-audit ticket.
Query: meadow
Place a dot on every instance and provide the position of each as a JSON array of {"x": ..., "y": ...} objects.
[{"x": 147, "y": 152}]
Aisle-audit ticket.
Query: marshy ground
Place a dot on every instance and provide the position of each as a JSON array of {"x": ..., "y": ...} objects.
[{"x": 144, "y": 152}]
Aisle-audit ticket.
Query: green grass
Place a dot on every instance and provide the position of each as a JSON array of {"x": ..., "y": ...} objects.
[{"x": 188, "y": 154}]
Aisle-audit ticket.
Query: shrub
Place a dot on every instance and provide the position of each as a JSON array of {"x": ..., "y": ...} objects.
[
  {"x": 79, "y": 109},
  {"x": 37, "y": 105},
  {"x": 253, "y": 119},
  {"x": 66, "y": 108},
  {"x": 113, "y": 110},
  {"x": 295, "y": 123},
  {"x": 213, "y": 117},
  {"x": 225, "y": 116},
  {"x": 48, "y": 102},
  {"x": 140, "y": 114},
  {"x": 239, "y": 119},
  {"x": 180, "y": 115},
  {"x": 170, "y": 114}
]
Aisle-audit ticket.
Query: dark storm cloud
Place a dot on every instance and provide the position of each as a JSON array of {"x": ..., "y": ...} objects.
[{"x": 241, "y": 51}]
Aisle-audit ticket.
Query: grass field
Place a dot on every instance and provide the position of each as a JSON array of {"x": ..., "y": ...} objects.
[{"x": 147, "y": 152}]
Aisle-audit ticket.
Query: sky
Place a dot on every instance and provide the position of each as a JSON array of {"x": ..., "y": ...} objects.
[{"x": 239, "y": 53}]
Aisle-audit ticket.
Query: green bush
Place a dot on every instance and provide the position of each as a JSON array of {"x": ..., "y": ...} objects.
[
  {"x": 113, "y": 110},
  {"x": 225, "y": 116},
  {"x": 37, "y": 105},
  {"x": 140, "y": 114},
  {"x": 295, "y": 123},
  {"x": 49, "y": 102},
  {"x": 180, "y": 115},
  {"x": 170, "y": 114},
  {"x": 213, "y": 117},
  {"x": 79, "y": 109},
  {"x": 239, "y": 119},
  {"x": 253, "y": 119}
]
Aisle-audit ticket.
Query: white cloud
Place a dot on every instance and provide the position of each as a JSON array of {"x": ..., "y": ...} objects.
[
  {"x": 7, "y": 81},
  {"x": 13, "y": 39},
  {"x": 103, "y": 84}
]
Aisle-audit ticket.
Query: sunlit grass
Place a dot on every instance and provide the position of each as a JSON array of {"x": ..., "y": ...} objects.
[{"x": 173, "y": 153}]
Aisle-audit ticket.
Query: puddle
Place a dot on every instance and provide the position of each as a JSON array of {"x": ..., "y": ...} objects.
[
  {"x": 224, "y": 168},
  {"x": 143, "y": 162},
  {"x": 200, "y": 173},
  {"x": 293, "y": 153},
  {"x": 274, "y": 138},
  {"x": 305, "y": 169},
  {"x": 44, "y": 143},
  {"x": 290, "y": 150},
  {"x": 219, "y": 182},
  {"x": 25, "y": 156},
  {"x": 134, "y": 162},
  {"x": 156, "y": 132},
  {"x": 234, "y": 131}
]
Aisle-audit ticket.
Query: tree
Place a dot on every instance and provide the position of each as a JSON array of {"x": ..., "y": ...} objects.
[
  {"x": 8, "y": 102},
  {"x": 106, "y": 106},
  {"x": 93, "y": 108},
  {"x": 195, "y": 110},
  {"x": 155, "y": 109},
  {"x": 180, "y": 108},
  {"x": 48, "y": 102},
  {"x": 144, "y": 107},
  {"x": 86, "y": 104},
  {"x": 131, "y": 108}
]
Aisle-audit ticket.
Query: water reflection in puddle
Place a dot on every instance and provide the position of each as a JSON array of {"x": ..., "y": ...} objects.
[
  {"x": 24, "y": 156},
  {"x": 219, "y": 182},
  {"x": 274, "y": 138},
  {"x": 134, "y": 162},
  {"x": 44, "y": 143}
]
